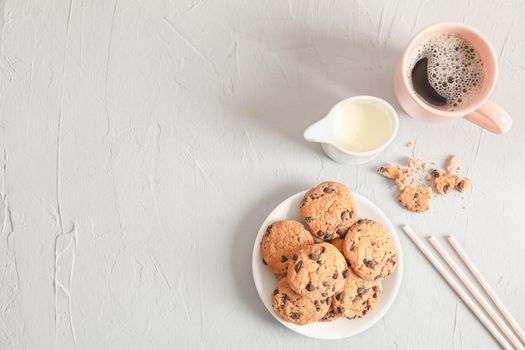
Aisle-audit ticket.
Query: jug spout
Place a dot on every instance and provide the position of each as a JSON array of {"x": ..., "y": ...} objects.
[{"x": 319, "y": 131}]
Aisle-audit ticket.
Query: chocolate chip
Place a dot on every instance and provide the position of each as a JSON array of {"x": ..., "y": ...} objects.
[
  {"x": 303, "y": 202},
  {"x": 323, "y": 294},
  {"x": 346, "y": 273},
  {"x": 284, "y": 258},
  {"x": 321, "y": 234},
  {"x": 381, "y": 170},
  {"x": 328, "y": 190},
  {"x": 321, "y": 250},
  {"x": 328, "y": 237},
  {"x": 264, "y": 262},
  {"x": 340, "y": 310},
  {"x": 346, "y": 215},
  {"x": 298, "y": 266},
  {"x": 314, "y": 196},
  {"x": 341, "y": 232},
  {"x": 334, "y": 276},
  {"x": 294, "y": 315},
  {"x": 416, "y": 195},
  {"x": 328, "y": 301},
  {"x": 310, "y": 287},
  {"x": 435, "y": 173},
  {"x": 353, "y": 246},
  {"x": 313, "y": 256},
  {"x": 294, "y": 257},
  {"x": 369, "y": 263},
  {"x": 330, "y": 314},
  {"x": 375, "y": 295},
  {"x": 361, "y": 291},
  {"x": 309, "y": 218},
  {"x": 268, "y": 229},
  {"x": 275, "y": 291},
  {"x": 325, "y": 284},
  {"x": 446, "y": 187},
  {"x": 361, "y": 221},
  {"x": 374, "y": 288},
  {"x": 339, "y": 297},
  {"x": 306, "y": 227},
  {"x": 284, "y": 298},
  {"x": 333, "y": 289}
]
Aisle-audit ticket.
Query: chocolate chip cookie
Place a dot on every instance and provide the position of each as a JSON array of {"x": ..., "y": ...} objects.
[
  {"x": 369, "y": 250},
  {"x": 280, "y": 241},
  {"x": 294, "y": 308},
  {"x": 338, "y": 243},
  {"x": 331, "y": 315},
  {"x": 328, "y": 210},
  {"x": 357, "y": 298},
  {"x": 317, "y": 271}
]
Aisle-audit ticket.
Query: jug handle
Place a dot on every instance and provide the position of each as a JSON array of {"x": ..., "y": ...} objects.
[{"x": 491, "y": 117}]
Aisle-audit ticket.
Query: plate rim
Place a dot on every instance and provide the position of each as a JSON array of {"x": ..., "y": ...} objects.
[{"x": 378, "y": 316}]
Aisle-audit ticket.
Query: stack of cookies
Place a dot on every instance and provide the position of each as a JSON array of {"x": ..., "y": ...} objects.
[{"x": 332, "y": 265}]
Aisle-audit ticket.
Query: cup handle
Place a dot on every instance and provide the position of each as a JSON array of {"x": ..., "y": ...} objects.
[{"x": 492, "y": 117}]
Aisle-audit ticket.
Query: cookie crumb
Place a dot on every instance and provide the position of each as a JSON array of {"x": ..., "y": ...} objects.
[
  {"x": 411, "y": 145},
  {"x": 451, "y": 165},
  {"x": 462, "y": 183},
  {"x": 412, "y": 162}
]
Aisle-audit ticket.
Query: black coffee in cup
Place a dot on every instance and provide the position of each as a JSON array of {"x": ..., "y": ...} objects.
[{"x": 446, "y": 72}]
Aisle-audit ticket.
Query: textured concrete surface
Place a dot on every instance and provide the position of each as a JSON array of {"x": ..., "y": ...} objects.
[{"x": 142, "y": 143}]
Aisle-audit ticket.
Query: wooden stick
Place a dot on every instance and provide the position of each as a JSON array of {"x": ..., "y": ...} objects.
[
  {"x": 457, "y": 288},
  {"x": 476, "y": 294},
  {"x": 487, "y": 288}
]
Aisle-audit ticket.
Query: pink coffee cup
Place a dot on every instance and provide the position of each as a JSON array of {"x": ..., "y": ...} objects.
[{"x": 480, "y": 111}]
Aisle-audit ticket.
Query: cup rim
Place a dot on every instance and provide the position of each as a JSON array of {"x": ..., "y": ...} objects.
[
  {"x": 393, "y": 115},
  {"x": 463, "y": 111}
]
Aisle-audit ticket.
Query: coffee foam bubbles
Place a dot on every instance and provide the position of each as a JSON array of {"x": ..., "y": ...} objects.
[{"x": 455, "y": 69}]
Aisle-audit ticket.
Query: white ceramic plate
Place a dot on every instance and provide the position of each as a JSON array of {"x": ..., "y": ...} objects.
[{"x": 265, "y": 280}]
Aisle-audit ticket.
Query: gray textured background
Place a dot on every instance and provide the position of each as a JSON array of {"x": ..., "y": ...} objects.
[{"x": 143, "y": 143}]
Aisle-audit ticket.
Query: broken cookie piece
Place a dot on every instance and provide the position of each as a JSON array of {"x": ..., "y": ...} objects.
[
  {"x": 462, "y": 183},
  {"x": 444, "y": 183},
  {"x": 401, "y": 177},
  {"x": 389, "y": 171},
  {"x": 416, "y": 199}
]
